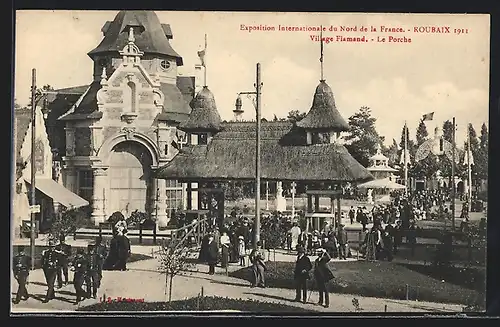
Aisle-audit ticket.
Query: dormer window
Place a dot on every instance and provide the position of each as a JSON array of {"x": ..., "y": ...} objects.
[{"x": 203, "y": 139}]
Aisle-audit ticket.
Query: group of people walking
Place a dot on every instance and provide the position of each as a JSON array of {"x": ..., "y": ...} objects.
[{"x": 56, "y": 261}]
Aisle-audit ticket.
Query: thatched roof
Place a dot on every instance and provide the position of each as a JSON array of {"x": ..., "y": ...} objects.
[
  {"x": 284, "y": 156},
  {"x": 323, "y": 113},
  {"x": 204, "y": 117},
  {"x": 150, "y": 35},
  {"x": 22, "y": 121}
]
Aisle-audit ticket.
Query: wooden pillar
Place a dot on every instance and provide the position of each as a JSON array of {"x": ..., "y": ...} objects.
[
  {"x": 332, "y": 210},
  {"x": 309, "y": 203},
  {"x": 316, "y": 203},
  {"x": 189, "y": 193},
  {"x": 339, "y": 221}
]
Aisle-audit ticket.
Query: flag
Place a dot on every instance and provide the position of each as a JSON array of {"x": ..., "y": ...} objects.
[
  {"x": 202, "y": 53},
  {"x": 428, "y": 116},
  {"x": 321, "y": 41}
]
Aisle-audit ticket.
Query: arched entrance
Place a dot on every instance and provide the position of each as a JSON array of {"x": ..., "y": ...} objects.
[{"x": 130, "y": 181}]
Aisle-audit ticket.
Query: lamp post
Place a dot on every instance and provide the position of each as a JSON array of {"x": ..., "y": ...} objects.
[
  {"x": 257, "y": 104},
  {"x": 36, "y": 96}
]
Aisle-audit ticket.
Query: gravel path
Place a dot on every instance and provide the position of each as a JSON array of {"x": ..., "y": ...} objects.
[{"x": 142, "y": 281}]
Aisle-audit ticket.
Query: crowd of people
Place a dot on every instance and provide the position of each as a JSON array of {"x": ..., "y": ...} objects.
[{"x": 58, "y": 259}]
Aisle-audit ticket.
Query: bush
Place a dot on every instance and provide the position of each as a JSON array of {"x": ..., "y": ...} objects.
[
  {"x": 196, "y": 304},
  {"x": 67, "y": 222},
  {"x": 380, "y": 279},
  {"x": 136, "y": 218}
]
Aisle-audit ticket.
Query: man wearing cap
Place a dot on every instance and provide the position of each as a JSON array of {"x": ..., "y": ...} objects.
[
  {"x": 301, "y": 274},
  {"x": 92, "y": 271},
  {"x": 50, "y": 264},
  {"x": 63, "y": 261},
  {"x": 102, "y": 253},
  {"x": 21, "y": 268},
  {"x": 80, "y": 265}
]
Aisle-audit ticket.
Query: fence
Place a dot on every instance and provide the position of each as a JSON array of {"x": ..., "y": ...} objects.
[{"x": 105, "y": 229}]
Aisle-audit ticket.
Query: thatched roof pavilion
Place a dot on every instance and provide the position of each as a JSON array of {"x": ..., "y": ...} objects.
[{"x": 285, "y": 156}]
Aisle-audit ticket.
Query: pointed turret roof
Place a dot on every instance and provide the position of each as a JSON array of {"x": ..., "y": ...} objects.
[
  {"x": 323, "y": 113},
  {"x": 204, "y": 117},
  {"x": 150, "y": 35}
]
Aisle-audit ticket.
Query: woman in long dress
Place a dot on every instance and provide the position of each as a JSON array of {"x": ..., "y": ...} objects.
[{"x": 295, "y": 232}]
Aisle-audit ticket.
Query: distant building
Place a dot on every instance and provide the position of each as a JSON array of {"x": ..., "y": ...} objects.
[{"x": 379, "y": 166}]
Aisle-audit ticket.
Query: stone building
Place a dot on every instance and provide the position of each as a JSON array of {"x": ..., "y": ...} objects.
[{"x": 123, "y": 126}]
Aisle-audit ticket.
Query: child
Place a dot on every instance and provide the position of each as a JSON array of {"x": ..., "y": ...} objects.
[{"x": 242, "y": 251}]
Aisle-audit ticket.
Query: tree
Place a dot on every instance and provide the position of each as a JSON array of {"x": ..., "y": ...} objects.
[
  {"x": 422, "y": 133},
  {"x": 482, "y": 159},
  {"x": 295, "y": 116},
  {"x": 475, "y": 150},
  {"x": 363, "y": 138},
  {"x": 272, "y": 235},
  {"x": 445, "y": 163},
  {"x": 174, "y": 259},
  {"x": 66, "y": 222}
]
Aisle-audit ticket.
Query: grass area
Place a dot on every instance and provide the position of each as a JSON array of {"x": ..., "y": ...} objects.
[
  {"x": 387, "y": 280},
  {"x": 38, "y": 254},
  {"x": 196, "y": 304}
]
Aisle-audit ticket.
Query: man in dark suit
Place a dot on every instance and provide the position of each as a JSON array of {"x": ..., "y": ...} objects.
[
  {"x": 301, "y": 274},
  {"x": 212, "y": 254},
  {"x": 92, "y": 271},
  {"x": 352, "y": 213},
  {"x": 50, "y": 264},
  {"x": 21, "y": 268},
  {"x": 102, "y": 251},
  {"x": 322, "y": 275},
  {"x": 80, "y": 264},
  {"x": 65, "y": 249},
  {"x": 342, "y": 240}
]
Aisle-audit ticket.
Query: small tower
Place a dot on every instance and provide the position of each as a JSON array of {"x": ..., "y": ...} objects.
[
  {"x": 323, "y": 123},
  {"x": 237, "y": 111},
  {"x": 204, "y": 120}
]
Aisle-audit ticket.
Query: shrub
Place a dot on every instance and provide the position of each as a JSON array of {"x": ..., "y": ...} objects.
[
  {"x": 67, "y": 222},
  {"x": 136, "y": 218},
  {"x": 196, "y": 304}
]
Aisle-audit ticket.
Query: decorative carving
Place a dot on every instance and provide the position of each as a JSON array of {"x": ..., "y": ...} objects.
[
  {"x": 158, "y": 98},
  {"x": 129, "y": 117},
  {"x": 147, "y": 97},
  {"x": 101, "y": 96},
  {"x": 100, "y": 172},
  {"x": 115, "y": 96},
  {"x": 129, "y": 132}
]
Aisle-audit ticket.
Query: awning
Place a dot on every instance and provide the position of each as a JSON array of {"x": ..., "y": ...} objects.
[
  {"x": 384, "y": 183},
  {"x": 59, "y": 193}
]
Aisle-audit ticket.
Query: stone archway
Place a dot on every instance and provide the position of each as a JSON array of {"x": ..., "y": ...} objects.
[{"x": 130, "y": 178}]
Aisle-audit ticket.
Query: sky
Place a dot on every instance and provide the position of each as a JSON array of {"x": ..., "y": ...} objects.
[{"x": 444, "y": 73}]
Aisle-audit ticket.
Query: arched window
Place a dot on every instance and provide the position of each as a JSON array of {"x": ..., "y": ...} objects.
[{"x": 133, "y": 96}]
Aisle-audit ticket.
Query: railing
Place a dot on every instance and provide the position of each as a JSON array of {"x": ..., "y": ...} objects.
[
  {"x": 199, "y": 229},
  {"x": 106, "y": 229}
]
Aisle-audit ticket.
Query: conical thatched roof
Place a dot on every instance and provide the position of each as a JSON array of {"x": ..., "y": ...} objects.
[
  {"x": 204, "y": 117},
  {"x": 230, "y": 155},
  {"x": 323, "y": 113}
]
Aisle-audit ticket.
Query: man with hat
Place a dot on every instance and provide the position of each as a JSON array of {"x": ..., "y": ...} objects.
[
  {"x": 63, "y": 261},
  {"x": 80, "y": 265},
  {"x": 301, "y": 274},
  {"x": 258, "y": 266},
  {"x": 212, "y": 254},
  {"x": 322, "y": 275},
  {"x": 21, "y": 268},
  {"x": 342, "y": 240},
  {"x": 92, "y": 271},
  {"x": 50, "y": 265}
]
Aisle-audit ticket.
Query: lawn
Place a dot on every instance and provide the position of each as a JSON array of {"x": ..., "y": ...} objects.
[
  {"x": 388, "y": 280},
  {"x": 213, "y": 303}
]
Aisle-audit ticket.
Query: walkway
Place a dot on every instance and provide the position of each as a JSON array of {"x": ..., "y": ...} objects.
[{"x": 143, "y": 281}]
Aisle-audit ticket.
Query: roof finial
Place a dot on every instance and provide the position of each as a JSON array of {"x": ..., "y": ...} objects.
[
  {"x": 131, "y": 38},
  {"x": 202, "y": 55},
  {"x": 321, "y": 49},
  {"x": 103, "y": 75}
]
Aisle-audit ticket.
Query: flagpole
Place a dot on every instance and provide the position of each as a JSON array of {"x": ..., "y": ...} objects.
[
  {"x": 405, "y": 161},
  {"x": 321, "y": 57},
  {"x": 205, "y": 63},
  {"x": 453, "y": 177},
  {"x": 469, "y": 170}
]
